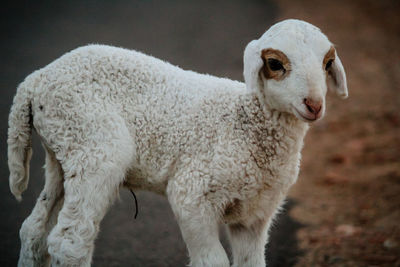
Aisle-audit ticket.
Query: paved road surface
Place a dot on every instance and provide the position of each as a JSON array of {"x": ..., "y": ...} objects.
[{"x": 207, "y": 37}]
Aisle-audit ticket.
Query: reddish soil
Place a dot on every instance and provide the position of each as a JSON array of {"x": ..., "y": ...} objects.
[{"x": 348, "y": 192}]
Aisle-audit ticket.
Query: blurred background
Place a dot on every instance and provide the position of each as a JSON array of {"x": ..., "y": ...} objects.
[{"x": 344, "y": 209}]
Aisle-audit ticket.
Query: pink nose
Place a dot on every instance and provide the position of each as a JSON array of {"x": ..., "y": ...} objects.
[{"x": 313, "y": 106}]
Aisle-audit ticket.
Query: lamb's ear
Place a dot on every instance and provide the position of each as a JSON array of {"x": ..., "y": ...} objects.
[
  {"x": 252, "y": 65},
  {"x": 336, "y": 79}
]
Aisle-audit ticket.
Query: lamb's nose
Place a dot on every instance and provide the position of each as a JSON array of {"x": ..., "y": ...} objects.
[{"x": 313, "y": 106}]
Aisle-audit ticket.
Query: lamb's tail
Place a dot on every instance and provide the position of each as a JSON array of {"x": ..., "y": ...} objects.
[{"x": 19, "y": 140}]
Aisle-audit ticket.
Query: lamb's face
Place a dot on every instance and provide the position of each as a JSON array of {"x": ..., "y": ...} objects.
[{"x": 292, "y": 65}]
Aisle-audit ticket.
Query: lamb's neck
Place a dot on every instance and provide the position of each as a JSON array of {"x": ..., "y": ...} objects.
[{"x": 273, "y": 131}]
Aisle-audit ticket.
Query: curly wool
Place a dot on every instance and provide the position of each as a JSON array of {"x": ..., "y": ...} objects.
[{"x": 170, "y": 120}]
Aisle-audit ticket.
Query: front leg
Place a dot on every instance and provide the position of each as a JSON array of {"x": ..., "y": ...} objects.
[
  {"x": 248, "y": 243},
  {"x": 198, "y": 222}
]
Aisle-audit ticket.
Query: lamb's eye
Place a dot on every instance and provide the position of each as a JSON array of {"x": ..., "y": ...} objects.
[
  {"x": 275, "y": 64},
  {"x": 328, "y": 64}
]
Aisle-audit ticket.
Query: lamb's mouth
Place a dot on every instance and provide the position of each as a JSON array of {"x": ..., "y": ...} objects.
[{"x": 304, "y": 117}]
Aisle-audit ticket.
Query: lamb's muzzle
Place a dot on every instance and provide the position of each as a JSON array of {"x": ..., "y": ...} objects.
[{"x": 314, "y": 107}]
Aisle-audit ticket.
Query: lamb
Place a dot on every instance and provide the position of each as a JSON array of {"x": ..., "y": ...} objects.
[{"x": 222, "y": 151}]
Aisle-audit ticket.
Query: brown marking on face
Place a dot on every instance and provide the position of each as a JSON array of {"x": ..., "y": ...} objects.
[
  {"x": 275, "y": 54},
  {"x": 330, "y": 55}
]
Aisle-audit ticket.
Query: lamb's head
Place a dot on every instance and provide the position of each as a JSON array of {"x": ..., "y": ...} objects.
[{"x": 291, "y": 67}]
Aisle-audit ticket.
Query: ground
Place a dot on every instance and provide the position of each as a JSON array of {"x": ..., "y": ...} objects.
[{"x": 345, "y": 208}]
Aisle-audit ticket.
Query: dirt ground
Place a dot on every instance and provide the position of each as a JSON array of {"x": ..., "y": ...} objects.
[
  {"x": 345, "y": 208},
  {"x": 348, "y": 193}
]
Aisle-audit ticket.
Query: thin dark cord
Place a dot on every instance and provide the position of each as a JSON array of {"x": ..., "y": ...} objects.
[{"x": 136, "y": 205}]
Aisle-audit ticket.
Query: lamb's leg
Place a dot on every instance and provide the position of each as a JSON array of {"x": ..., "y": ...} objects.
[
  {"x": 86, "y": 201},
  {"x": 199, "y": 226},
  {"x": 248, "y": 243},
  {"x": 93, "y": 176},
  {"x": 36, "y": 227}
]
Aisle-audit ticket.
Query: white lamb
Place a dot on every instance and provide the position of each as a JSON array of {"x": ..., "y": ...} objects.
[{"x": 222, "y": 151}]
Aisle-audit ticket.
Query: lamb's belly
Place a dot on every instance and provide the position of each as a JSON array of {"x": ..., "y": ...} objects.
[
  {"x": 155, "y": 150},
  {"x": 137, "y": 178},
  {"x": 152, "y": 166}
]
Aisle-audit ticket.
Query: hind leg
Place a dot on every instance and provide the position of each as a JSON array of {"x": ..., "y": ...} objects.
[
  {"x": 36, "y": 227},
  {"x": 86, "y": 201},
  {"x": 94, "y": 173}
]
